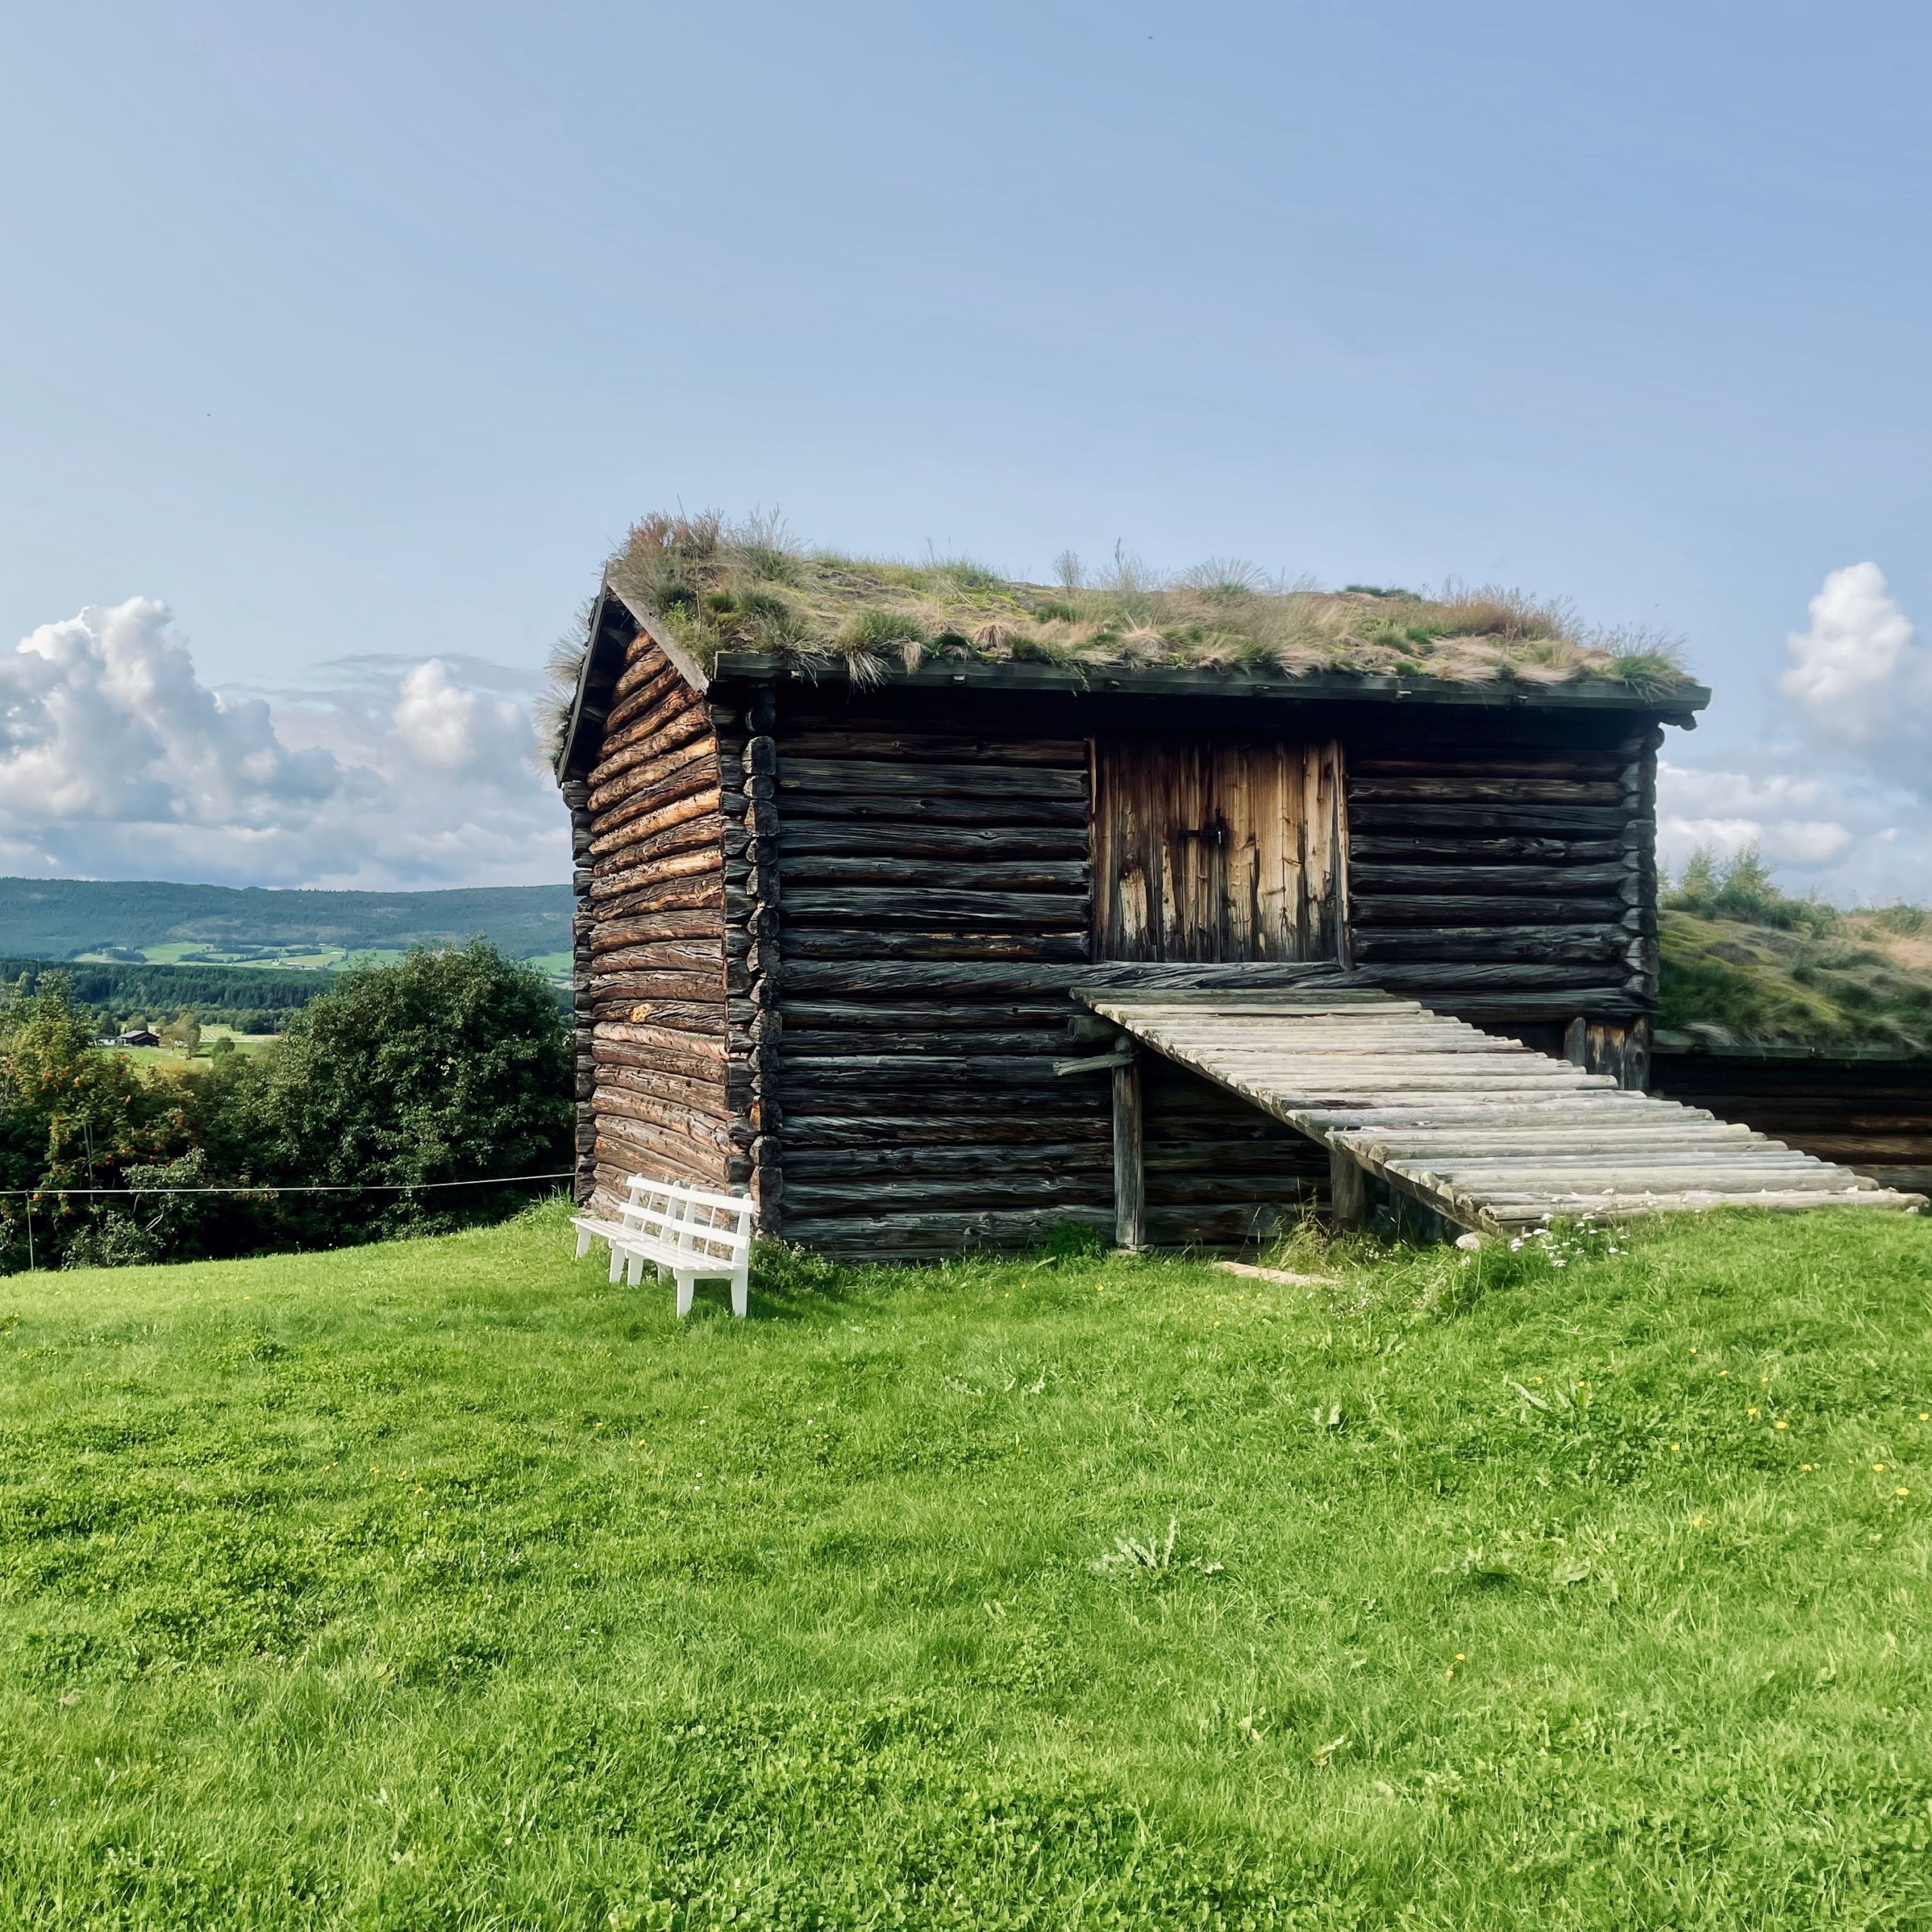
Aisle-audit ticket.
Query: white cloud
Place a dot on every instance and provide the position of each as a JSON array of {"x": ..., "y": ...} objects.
[
  {"x": 1837, "y": 796},
  {"x": 1858, "y": 678},
  {"x": 105, "y": 721},
  {"x": 1848, "y": 834},
  {"x": 116, "y": 761},
  {"x": 459, "y": 729},
  {"x": 1797, "y": 822}
]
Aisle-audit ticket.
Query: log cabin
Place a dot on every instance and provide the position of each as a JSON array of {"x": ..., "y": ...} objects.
[{"x": 851, "y": 839}]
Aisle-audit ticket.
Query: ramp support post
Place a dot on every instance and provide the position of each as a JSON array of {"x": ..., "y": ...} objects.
[
  {"x": 1348, "y": 1189},
  {"x": 1130, "y": 1180}
]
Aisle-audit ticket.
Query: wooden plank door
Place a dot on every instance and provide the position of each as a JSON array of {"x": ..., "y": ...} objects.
[{"x": 1212, "y": 848}]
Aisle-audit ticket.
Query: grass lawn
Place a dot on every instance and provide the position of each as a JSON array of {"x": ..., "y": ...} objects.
[
  {"x": 150, "y": 1061},
  {"x": 440, "y": 1584}
]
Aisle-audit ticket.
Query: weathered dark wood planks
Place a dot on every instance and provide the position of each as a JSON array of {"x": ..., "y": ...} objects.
[
  {"x": 1218, "y": 848},
  {"x": 934, "y": 894},
  {"x": 1872, "y": 1114}
]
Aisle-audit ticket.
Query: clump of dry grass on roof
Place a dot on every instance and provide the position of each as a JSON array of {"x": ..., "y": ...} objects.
[
  {"x": 563, "y": 666},
  {"x": 716, "y": 587}
]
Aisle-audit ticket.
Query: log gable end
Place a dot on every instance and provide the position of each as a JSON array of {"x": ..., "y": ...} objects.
[{"x": 654, "y": 1048}]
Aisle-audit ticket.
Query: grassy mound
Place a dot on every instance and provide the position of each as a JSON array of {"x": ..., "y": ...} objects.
[
  {"x": 1744, "y": 964},
  {"x": 719, "y": 587},
  {"x": 442, "y": 1584}
]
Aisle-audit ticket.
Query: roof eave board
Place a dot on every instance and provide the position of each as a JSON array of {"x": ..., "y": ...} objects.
[{"x": 1677, "y": 705}]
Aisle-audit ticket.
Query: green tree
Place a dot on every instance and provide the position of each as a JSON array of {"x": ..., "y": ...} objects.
[
  {"x": 184, "y": 1030},
  {"x": 447, "y": 1066},
  {"x": 72, "y": 1117}
]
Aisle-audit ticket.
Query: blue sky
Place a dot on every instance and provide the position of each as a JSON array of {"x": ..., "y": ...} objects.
[{"x": 355, "y": 337}]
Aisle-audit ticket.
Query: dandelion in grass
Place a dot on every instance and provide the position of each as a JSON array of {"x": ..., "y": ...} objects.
[
  {"x": 1902, "y": 1490},
  {"x": 1750, "y": 1412},
  {"x": 1780, "y": 1423}
]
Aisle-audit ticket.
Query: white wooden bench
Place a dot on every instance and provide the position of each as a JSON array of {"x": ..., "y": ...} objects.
[{"x": 683, "y": 1231}]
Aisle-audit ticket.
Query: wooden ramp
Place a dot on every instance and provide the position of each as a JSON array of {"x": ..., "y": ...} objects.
[{"x": 1487, "y": 1134}]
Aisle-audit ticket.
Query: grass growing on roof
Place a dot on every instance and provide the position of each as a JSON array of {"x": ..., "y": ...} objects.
[
  {"x": 716, "y": 587},
  {"x": 442, "y": 1584}
]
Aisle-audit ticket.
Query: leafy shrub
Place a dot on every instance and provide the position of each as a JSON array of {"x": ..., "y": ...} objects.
[
  {"x": 781, "y": 1270},
  {"x": 1742, "y": 888},
  {"x": 447, "y": 1066}
]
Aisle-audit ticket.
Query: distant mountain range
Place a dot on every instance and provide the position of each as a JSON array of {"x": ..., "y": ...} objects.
[{"x": 150, "y": 920}]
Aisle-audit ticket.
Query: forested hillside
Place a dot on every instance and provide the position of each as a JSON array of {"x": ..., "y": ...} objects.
[
  {"x": 252, "y": 999},
  {"x": 44, "y": 918}
]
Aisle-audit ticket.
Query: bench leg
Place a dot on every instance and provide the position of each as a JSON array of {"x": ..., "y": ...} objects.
[
  {"x": 741, "y": 1293},
  {"x": 583, "y": 1242},
  {"x": 685, "y": 1284},
  {"x": 634, "y": 1273},
  {"x": 617, "y": 1264}
]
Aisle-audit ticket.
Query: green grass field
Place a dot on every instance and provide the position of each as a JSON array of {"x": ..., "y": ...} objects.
[
  {"x": 186, "y": 951},
  {"x": 442, "y": 1585},
  {"x": 153, "y": 1059}
]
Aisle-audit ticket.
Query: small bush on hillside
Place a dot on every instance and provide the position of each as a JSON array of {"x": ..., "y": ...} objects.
[
  {"x": 1742, "y": 888},
  {"x": 1743, "y": 962},
  {"x": 1907, "y": 921}
]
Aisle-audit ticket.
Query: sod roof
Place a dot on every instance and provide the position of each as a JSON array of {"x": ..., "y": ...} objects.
[
  {"x": 1860, "y": 983},
  {"x": 716, "y": 590}
]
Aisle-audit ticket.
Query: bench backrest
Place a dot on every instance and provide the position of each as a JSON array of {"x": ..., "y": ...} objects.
[{"x": 714, "y": 1229}]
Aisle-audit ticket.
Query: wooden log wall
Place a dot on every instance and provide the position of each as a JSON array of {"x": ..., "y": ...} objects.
[
  {"x": 1514, "y": 886},
  {"x": 935, "y": 894},
  {"x": 651, "y": 1000},
  {"x": 747, "y": 764},
  {"x": 1872, "y": 1115},
  {"x": 1218, "y": 1170},
  {"x": 583, "y": 1020}
]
